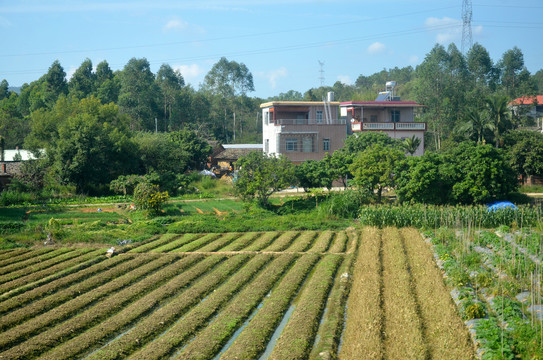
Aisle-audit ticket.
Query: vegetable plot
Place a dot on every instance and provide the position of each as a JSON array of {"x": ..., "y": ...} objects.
[{"x": 269, "y": 295}]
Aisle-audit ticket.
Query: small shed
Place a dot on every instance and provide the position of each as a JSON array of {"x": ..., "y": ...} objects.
[{"x": 230, "y": 153}]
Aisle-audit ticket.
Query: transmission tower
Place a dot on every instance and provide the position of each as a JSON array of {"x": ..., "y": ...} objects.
[
  {"x": 321, "y": 78},
  {"x": 467, "y": 40}
]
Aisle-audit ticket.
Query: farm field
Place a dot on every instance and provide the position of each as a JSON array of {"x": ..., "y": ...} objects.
[{"x": 254, "y": 295}]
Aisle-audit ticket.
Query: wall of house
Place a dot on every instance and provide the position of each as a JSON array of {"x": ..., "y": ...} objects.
[
  {"x": 401, "y": 135},
  {"x": 381, "y": 115}
]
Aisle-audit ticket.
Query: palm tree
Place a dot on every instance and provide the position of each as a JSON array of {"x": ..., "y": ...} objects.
[
  {"x": 497, "y": 106},
  {"x": 476, "y": 123},
  {"x": 411, "y": 144}
]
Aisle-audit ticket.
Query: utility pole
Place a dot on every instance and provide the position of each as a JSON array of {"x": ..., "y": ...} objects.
[
  {"x": 467, "y": 40},
  {"x": 321, "y": 78}
]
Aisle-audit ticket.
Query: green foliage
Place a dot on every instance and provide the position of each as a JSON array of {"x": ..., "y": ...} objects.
[
  {"x": 465, "y": 174},
  {"x": 374, "y": 167},
  {"x": 345, "y": 204},
  {"x": 525, "y": 152},
  {"x": 261, "y": 175},
  {"x": 314, "y": 174},
  {"x": 148, "y": 197},
  {"x": 473, "y": 311}
]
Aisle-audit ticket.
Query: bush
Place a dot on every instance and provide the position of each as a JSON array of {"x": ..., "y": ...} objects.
[
  {"x": 148, "y": 197},
  {"x": 345, "y": 204}
]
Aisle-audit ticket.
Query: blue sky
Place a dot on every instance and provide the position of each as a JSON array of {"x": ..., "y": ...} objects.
[{"x": 280, "y": 41}]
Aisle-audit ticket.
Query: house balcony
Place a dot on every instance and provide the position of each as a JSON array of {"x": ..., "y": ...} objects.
[
  {"x": 388, "y": 126},
  {"x": 309, "y": 121}
]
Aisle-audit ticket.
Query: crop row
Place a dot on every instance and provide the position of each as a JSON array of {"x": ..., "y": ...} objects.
[
  {"x": 445, "y": 334},
  {"x": 164, "y": 318},
  {"x": 11, "y": 253},
  {"x": 148, "y": 280},
  {"x": 298, "y": 335},
  {"x": 127, "y": 318},
  {"x": 70, "y": 308},
  {"x": 290, "y": 241},
  {"x": 333, "y": 321},
  {"x": 364, "y": 307},
  {"x": 210, "y": 340},
  {"x": 46, "y": 268},
  {"x": 78, "y": 275},
  {"x": 254, "y": 338},
  {"x": 22, "y": 255},
  {"x": 31, "y": 259}
]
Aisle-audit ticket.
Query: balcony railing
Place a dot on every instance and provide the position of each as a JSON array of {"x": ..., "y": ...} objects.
[
  {"x": 308, "y": 122},
  {"x": 388, "y": 126}
]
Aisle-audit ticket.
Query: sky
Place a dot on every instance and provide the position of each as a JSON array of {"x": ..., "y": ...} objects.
[{"x": 285, "y": 44}]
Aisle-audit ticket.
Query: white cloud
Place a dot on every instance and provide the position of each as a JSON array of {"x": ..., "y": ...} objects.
[
  {"x": 273, "y": 75},
  {"x": 176, "y": 24},
  {"x": 190, "y": 72},
  {"x": 447, "y": 29},
  {"x": 345, "y": 79},
  {"x": 70, "y": 72},
  {"x": 376, "y": 48}
]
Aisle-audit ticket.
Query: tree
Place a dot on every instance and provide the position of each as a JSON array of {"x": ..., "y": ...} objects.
[
  {"x": 498, "y": 112},
  {"x": 159, "y": 154},
  {"x": 374, "y": 167},
  {"x": 511, "y": 64},
  {"x": 261, "y": 175},
  {"x": 359, "y": 142},
  {"x": 475, "y": 125},
  {"x": 4, "y": 89},
  {"x": 148, "y": 197},
  {"x": 524, "y": 150},
  {"x": 106, "y": 85},
  {"x": 56, "y": 81},
  {"x": 314, "y": 174},
  {"x": 480, "y": 64},
  {"x": 170, "y": 83},
  {"x": 138, "y": 94},
  {"x": 81, "y": 84},
  {"x": 421, "y": 180},
  {"x": 411, "y": 144},
  {"x": 229, "y": 79},
  {"x": 192, "y": 144}
]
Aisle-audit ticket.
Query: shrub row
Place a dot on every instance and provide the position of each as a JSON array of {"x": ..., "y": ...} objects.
[
  {"x": 446, "y": 334},
  {"x": 340, "y": 243},
  {"x": 210, "y": 340},
  {"x": 242, "y": 242},
  {"x": 283, "y": 241},
  {"x": 10, "y": 226},
  {"x": 40, "y": 289},
  {"x": 253, "y": 340},
  {"x": 48, "y": 267},
  {"x": 298, "y": 335},
  {"x": 303, "y": 242},
  {"x": 112, "y": 326},
  {"x": 181, "y": 331},
  {"x": 263, "y": 241},
  {"x": 364, "y": 307},
  {"x": 403, "y": 327},
  {"x": 221, "y": 242},
  {"x": 323, "y": 242},
  {"x": 148, "y": 279},
  {"x": 71, "y": 307},
  {"x": 332, "y": 325},
  {"x": 431, "y": 217}
]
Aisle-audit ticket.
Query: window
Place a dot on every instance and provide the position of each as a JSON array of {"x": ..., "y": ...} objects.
[
  {"x": 291, "y": 145},
  {"x": 319, "y": 116},
  {"x": 325, "y": 144},
  {"x": 266, "y": 118},
  {"x": 373, "y": 118},
  {"x": 395, "y": 115},
  {"x": 307, "y": 144}
]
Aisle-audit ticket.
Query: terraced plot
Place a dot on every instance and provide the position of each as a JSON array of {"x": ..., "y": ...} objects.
[{"x": 230, "y": 296}]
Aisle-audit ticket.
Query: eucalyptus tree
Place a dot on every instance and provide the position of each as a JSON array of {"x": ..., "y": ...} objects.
[
  {"x": 170, "y": 83},
  {"x": 138, "y": 94},
  {"x": 82, "y": 81}
]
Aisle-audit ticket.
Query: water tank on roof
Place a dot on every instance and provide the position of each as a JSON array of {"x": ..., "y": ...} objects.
[
  {"x": 330, "y": 96},
  {"x": 391, "y": 84}
]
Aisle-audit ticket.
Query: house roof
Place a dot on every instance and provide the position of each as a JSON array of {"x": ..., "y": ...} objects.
[
  {"x": 242, "y": 146},
  {"x": 233, "y": 154},
  {"x": 9, "y": 155},
  {"x": 380, "y": 104},
  {"x": 528, "y": 100},
  {"x": 296, "y": 103}
]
